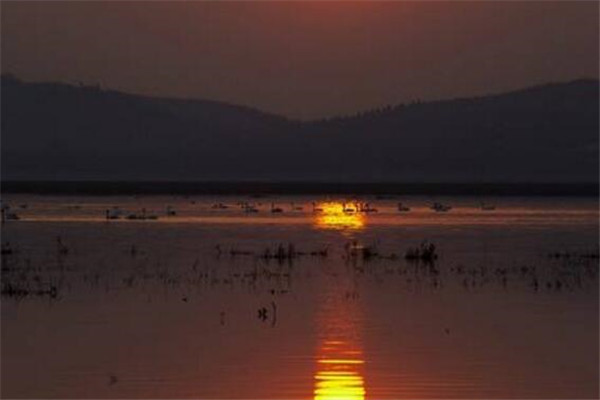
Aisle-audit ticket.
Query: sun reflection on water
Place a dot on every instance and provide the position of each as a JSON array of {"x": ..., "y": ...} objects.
[
  {"x": 338, "y": 216},
  {"x": 339, "y": 376},
  {"x": 339, "y": 358}
]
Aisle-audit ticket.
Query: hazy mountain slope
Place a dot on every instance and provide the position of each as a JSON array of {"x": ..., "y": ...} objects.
[
  {"x": 547, "y": 133},
  {"x": 58, "y": 131}
]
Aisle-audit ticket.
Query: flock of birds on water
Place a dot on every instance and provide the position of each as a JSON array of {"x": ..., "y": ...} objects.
[
  {"x": 21, "y": 278},
  {"x": 356, "y": 207},
  {"x": 415, "y": 267}
]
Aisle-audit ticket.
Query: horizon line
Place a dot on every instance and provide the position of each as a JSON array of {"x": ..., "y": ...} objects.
[
  {"x": 157, "y": 187},
  {"x": 416, "y": 101}
]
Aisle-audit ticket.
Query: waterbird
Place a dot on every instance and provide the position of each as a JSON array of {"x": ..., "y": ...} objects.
[
  {"x": 403, "y": 208},
  {"x": 113, "y": 213},
  {"x": 487, "y": 207},
  {"x": 315, "y": 208},
  {"x": 439, "y": 207},
  {"x": 295, "y": 207},
  {"x": 366, "y": 207},
  {"x": 248, "y": 208},
  {"x": 347, "y": 210},
  {"x": 171, "y": 211},
  {"x": 142, "y": 216}
]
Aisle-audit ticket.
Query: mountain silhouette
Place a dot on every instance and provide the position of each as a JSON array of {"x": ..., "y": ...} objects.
[{"x": 56, "y": 131}]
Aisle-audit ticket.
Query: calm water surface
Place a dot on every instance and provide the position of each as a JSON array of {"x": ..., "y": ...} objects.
[{"x": 189, "y": 305}]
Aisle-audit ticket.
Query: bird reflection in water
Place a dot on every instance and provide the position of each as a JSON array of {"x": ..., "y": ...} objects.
[{"x": 335, "y": 215}]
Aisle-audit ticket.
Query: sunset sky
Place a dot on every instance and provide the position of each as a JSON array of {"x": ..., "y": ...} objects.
[{"x": 302, "y": 59}]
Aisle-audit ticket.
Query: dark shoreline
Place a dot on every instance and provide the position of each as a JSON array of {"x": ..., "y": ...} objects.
[{"x": 105, "y": 188}]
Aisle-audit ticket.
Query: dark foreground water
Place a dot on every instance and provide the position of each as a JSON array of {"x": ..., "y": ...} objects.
[{"x": 310, "y": 303}]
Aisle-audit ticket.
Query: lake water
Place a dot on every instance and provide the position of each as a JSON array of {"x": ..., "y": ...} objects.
[{"x": 310, "y": 303}]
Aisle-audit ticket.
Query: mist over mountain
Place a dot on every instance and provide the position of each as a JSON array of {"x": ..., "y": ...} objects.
[{"x": 54, "y": 131}]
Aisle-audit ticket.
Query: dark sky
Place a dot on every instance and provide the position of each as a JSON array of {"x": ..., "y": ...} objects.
[{"x": 303, "y": 59}]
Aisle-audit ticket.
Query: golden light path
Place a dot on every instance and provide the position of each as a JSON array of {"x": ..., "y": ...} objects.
[
  {"x": 339, "y": 358},
  {"x": 339, "y": 376},
  {"x": 339, "y": 216}
]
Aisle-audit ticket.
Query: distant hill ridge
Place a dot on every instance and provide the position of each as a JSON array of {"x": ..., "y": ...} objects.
[{"x": 55, "y": 131}]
